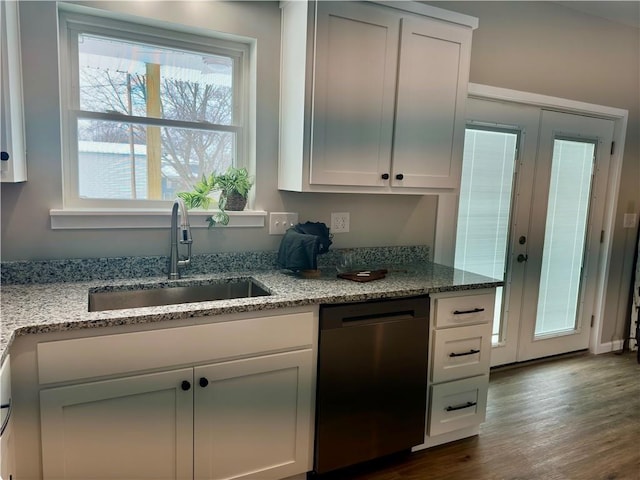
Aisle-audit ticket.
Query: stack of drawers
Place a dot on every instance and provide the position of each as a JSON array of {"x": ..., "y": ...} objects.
[{"x": 461, "y": 327}]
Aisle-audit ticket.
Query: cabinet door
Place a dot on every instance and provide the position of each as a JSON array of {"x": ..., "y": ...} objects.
[
  {"x": 7, "y": 449},
  {"x": 6, "y": 430},
  {"x": 135, "y": 428},
  {"x": 253, "y": 417},
  {"x": 13, "y": 162},
  {"x": 432, "y": 88},
  {"x": 355, "y": 79}
]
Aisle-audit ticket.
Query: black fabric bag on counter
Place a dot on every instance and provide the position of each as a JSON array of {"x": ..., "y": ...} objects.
[
  {"x": 318, "y": 229},
  {"x": 302, "y": 244}
]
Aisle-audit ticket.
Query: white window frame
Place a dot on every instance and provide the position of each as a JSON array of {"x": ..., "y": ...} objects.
[{"x": 78, "y": 213}]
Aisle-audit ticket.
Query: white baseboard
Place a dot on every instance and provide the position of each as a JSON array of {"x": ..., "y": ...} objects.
[{"x": 613, "y": 346}]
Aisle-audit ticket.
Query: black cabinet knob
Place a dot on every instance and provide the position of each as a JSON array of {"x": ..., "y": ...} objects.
[
  {"x": 385, "y": 176},
  {"x": 203, "y": 382},
  {"x": 399, "y": 176},
  {"x": 185, "y": 385},
  {"x": 4, "y": 156}
]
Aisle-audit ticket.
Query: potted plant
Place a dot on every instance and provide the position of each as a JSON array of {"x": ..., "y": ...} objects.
[{"x": 234, "y": 186}]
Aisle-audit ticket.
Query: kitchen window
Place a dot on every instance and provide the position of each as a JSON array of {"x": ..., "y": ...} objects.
[{"x": 148, "y": 111}]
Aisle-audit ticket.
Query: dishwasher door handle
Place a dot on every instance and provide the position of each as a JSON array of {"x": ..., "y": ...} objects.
[
  {"x": 373, "y": 312},
  {"x": 375, "y": 319}
]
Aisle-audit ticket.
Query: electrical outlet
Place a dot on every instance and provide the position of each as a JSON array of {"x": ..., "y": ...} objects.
[
  {"x": 340, "y": 222},
  {"x": 629, "y": 220},
  {"x": 280, "y": 222}
]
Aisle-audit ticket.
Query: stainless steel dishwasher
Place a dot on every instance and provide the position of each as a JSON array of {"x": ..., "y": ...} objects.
[{"x": 372, "y": 380}]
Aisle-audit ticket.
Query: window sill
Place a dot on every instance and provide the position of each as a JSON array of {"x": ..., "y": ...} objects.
[{"x": 81, "y": 219}]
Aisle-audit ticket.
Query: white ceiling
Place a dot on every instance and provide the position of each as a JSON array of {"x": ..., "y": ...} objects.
[{"x": 627, "y": 13}]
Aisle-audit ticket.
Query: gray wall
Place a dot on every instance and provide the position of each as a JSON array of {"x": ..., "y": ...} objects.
[{"x": 538, "y": 47}]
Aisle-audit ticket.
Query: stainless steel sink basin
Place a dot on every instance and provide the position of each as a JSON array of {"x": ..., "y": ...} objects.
[{"x": 150, "y": 296}]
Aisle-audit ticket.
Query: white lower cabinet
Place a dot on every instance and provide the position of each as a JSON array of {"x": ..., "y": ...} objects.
[
  {"x": 241, "y": 419},
  {"x": 459, "y": 361},
  {"x": 7, "y": 449},
  {"x": 239, "y": 415},
  {"x": 7, "y": 444},
  {"x": 134, "y": 427},
  {"x": 252, "y": 417}
]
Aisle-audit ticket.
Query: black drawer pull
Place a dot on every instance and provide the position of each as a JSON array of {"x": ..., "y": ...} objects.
[
  {"x": 460, "y": 407},
  {"x": 473, "y": 351},
  {"x": 464, "y": 312}
]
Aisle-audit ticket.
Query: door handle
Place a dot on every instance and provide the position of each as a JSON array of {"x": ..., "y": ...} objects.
[{"x": 522, "y": 258}]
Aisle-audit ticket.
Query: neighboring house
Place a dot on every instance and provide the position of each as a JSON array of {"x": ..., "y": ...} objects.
[{"x": 107, "y": 171}]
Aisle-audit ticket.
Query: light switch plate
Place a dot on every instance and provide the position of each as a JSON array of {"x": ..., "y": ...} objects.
[{"x": 280, "y": 222}]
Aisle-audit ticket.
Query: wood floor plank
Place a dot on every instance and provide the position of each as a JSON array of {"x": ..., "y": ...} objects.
[{"x": 572, "y": 418}]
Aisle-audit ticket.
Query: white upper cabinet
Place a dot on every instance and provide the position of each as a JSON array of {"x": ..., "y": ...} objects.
[
  {"x": 432, "y": 89},
  {"x": 355, "y": 82},
  {"x": 372, "y": 97},
  {"x": 13, "y": 158}
]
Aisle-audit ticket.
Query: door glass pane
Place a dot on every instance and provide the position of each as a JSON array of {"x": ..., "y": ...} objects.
[
  {"x": 564, "y": 238},
  {"x": 485, "y": 206}
]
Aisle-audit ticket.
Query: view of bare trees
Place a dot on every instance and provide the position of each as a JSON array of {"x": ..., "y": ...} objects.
[{"x": 186, "y": 152}]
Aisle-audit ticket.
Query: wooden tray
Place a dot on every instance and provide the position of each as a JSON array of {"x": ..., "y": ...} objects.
[{"x": 359, "y": 277}]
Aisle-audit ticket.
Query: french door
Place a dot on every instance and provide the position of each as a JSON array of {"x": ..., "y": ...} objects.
[{"x": 531, "y": 213}]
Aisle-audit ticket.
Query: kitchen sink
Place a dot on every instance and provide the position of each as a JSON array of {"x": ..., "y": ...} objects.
[{"x": 150, "y": 296}]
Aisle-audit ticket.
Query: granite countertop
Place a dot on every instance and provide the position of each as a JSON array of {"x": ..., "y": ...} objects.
[{"x": 55, "y": 307}]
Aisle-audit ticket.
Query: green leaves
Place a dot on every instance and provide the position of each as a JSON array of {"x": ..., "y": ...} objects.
[
  {"x": 221, "y": 217},
  {"x": 199, "y": 197},
  {"x": 233, "y": 180}
]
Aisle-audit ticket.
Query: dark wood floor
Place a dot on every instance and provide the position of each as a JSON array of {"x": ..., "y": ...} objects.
[{"x": 575, "y": 418}]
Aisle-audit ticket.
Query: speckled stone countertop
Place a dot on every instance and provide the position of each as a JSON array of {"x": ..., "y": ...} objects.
[{"x": 54, "y": 307}]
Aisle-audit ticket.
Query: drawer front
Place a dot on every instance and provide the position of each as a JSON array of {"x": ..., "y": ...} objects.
[
  {"x": 463, "y": 310},
  {"x": 461, "y": 352},
  {"x": 459, "y": 404},
  {"x": 80, "y": 358}
]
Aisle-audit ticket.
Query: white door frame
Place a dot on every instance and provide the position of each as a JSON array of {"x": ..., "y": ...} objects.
[{"x": 444, "y": 248}]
